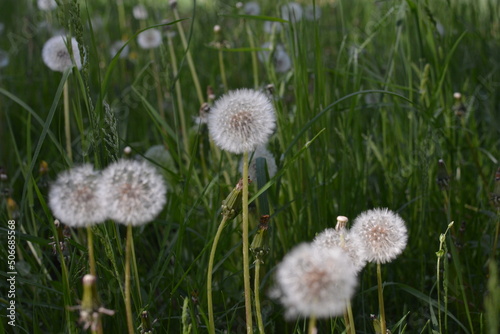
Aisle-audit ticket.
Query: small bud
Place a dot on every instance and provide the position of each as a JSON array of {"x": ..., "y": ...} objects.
[
  {"x": 341, "y": 222},
  {"x": 43, "y": 168},
  {"x": 217, "y": 28},
  {"x": 457, "y": 96},
  {"x": 127, "y": 150}
]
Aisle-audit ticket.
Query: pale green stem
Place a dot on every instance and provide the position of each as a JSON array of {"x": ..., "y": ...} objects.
[
  {"x": 67, "y": 129},
  {"x": 254, "y": 58},
  {"x": 222, "y": 71},
  {"x": 211, "y": 322},
  {"x": 121, "y": 15},
  {"x": 258, "y": 311},
  {"x": 350, "y": 316},
  {"x": 381, "y": 300},
  {"x": 159, "y": 95},
  {"x": 312, "y": 325},
  {"x": 246, "y": 262},
  {"x": 90, "y": 245},
  {"x": 128, "y": 304},
  {"x": 189, "y": 59}
]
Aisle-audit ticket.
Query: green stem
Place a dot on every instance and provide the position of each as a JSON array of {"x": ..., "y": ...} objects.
[
  {"x": 381, "y": 300},
  {"x": 246, "y": 262},
  {"x": 222, "y": 71},
  {"x": 211, "y": 322},
  {"x": 67, "y": 129},
  {"x": 312, "y": 325},
  {"x": 350, "y": 316},
  {"x": 128, "y": 304},
  {"x": 159, "y": 95},
  {"x": 90, "y": 245},
  {"x": 256, "y": 285},
  {"x": 254, "y": 58},
  {"x": 189, "y": 58}
]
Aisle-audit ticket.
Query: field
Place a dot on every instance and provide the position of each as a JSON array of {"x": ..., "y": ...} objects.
[{"x": 378, "y": 104}]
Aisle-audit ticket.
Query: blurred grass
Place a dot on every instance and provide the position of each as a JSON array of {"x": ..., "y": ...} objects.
[{"x": 377, "y": 149}]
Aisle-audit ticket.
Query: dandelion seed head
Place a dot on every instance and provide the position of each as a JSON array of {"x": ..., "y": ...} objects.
[
  {"x": 314, "y": 281},
  {"x": 312, "y": 13},
  {"x": 251, "y": 8},
  {"x": 269, "y": 26},
  {"x": 149, "y": 39},
  {"x": 383, "y": 234},
  {"x": 260, "y": 152},
  {"x": 56, "y": 56},
  {"x": 349, "y": 242},
  {"x": 291, "y": 12},
  {"x": 241, "y": 120},
  {"x": 74, "y": 199},
  {"x": 46, "y": 5},
  {"x": 133, "y": 192},
  {"x": 140, "y": 12}
]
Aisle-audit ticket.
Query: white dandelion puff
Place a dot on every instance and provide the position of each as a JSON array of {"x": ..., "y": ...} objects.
[
  {"x": 260, "y": 152},
  {"x": 241, "y": 120},
  {"x": 56, "y": 56},
  {"x": 291, "y": 12},
  {"x": 74, "y": 199},
  {"x": 383, "y": 234},
  {"x": 272, "y": 27},
  {"x": 251, "y": 8},
  {"x": 314, "y": 282},
  {"x": 149, "y": 39},
  {"x": 348, "y": 241},
  {"x": 140, "y": 12},
  {"x": 46, "y": 5},
  {"x": 133, "y": 192}
]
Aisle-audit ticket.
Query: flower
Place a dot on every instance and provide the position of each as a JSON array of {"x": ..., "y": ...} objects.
[
  {"x": 291, "y": 12},
  {"x": 140, "y": 12},
  {"x": 46, "y": 5},
  {"x": 241, "y": 120},
  {"x": 116, "y": 46},
  {"x": 312, "y": 13},
  {"x": 149, "y": 39},
  {"x": 73, "y": 197},
  {"x": 56, "y": 56},
  {"x": 314, "y": 282},
  {"x": 251, "y": 8},
  {"x": 348, "y": 241},
  {"x": 260, "y": 152},
  {"x": 132, "y": 191},
  {"x": 383, "y": 233}
]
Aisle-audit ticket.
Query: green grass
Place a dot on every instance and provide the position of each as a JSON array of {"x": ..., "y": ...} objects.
[{"x": 363, "y": 116}]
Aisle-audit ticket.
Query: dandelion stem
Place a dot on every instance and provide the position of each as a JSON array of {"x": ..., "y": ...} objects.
[
  {"x": 381, "y": 299},
  {"x": 350, "y": 316},
  {"x": 90, "y": 245},
  {"x": 189, "y": 58},
  {"x": 312, "y": 325},
  {"x": 211, "y": 322},
  {"x": 258, "y": 312},
  {"x": 246, "y": 262},
  {"x": 128, "y": 304},
  {"x": 67, "y": 129}
]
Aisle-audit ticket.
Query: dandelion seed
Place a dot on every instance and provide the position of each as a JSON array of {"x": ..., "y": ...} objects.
[
  {"x": 314, "y": 282},
  {"x": 251, "y": 8},
  {"x": 291, "y": 12},
  {"x": 260, "y": 152},
  {"x": 56, "y": 56},
  {"x": 46, "y": 5},
  {"x": 383, "y": 233},
  {"x": 140, "y": 12},
  {"x": 73, "y": 197},
  {"x": 241, "y": 120},
  {"x": 149, "y": 39},
  {"x": 133, "y": 192},
  {"x": 350, "y": 242}
]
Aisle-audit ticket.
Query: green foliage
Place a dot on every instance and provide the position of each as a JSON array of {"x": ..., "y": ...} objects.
[{"x": 364, "y": 114}]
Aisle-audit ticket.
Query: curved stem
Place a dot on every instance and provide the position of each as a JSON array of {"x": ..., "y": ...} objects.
[
  {"x": 256, "y": 285},
  {"x": 211, "y": 322},
  {"x": 128, "y": 304},
  {"x": 381, "y": 300},
  {"x": 246, "y": 262}
]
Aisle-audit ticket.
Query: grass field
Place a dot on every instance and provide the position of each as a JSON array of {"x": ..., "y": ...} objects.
[{"x": 366, "y": 107}]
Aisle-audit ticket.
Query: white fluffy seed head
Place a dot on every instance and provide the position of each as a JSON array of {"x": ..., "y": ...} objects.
[
  {"x": 56, "y": 56},
  {"x": 140, "y": 12},
  {"x": 133, "y": 192},
  {"x": 149, "y": 39},
  {"x": 291, "y": 12},
  {"x": 260, "y": 152},
  {"x": 312, "y": 13},
  {"x": 349, "y": 242},
  {"x": 74, "y": 199},
  {"x": 313, "y": 281},
  {"x": 46, "y": 5},
  {"x": 251, "y": 8},
  {"x": 241, "y": 120},
  {"x": 383, "y": 234}
]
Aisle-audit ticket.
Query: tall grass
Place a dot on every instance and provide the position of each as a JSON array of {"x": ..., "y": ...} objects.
[{"x": 363, "y": 117}]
